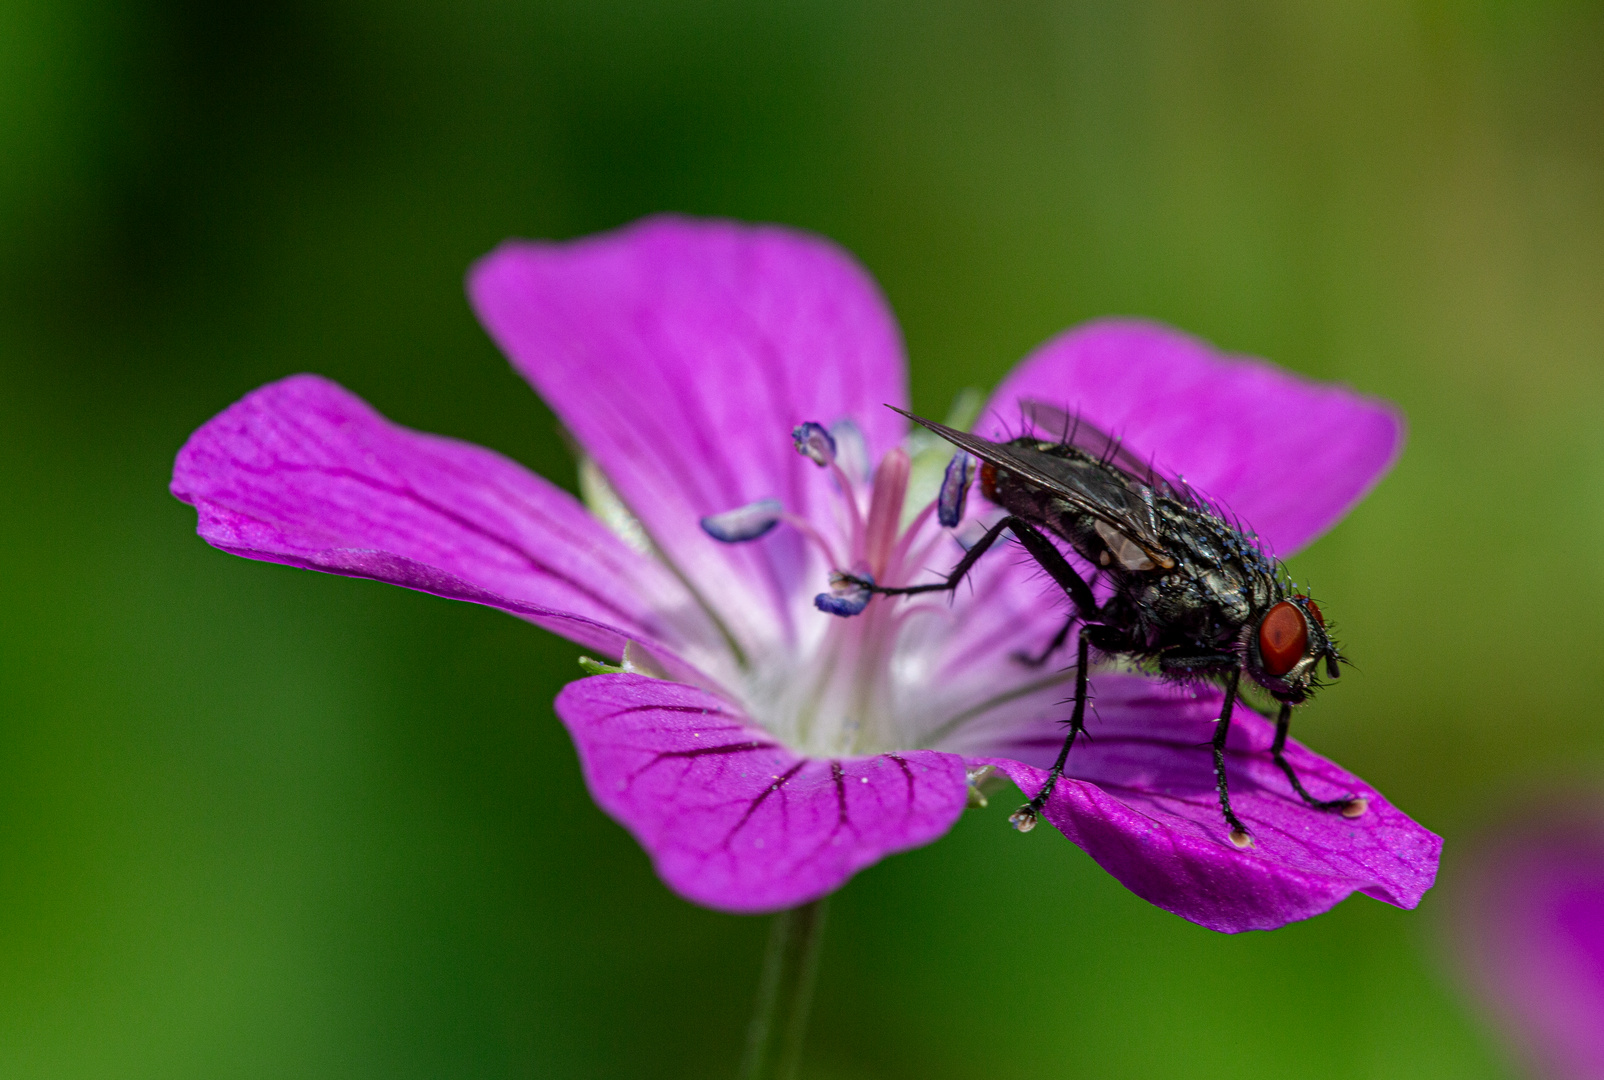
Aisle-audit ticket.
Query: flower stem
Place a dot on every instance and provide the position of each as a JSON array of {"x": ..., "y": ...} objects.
[{"x": 784, "y": 994}]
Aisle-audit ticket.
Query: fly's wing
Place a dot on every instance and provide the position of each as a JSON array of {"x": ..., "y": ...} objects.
[
  {"x": 1053, "y": 423},
  {"x": 1094, "y": 489}
]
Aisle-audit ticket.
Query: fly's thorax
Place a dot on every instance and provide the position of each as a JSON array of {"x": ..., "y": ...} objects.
[
  {"x": 1206, "y": 601},
  {"x": 1222, "y": 566},
  {"x": 1180, "y": 609}
]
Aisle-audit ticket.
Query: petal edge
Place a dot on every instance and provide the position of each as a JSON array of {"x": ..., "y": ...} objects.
[{"x": 1141, "y": 803}]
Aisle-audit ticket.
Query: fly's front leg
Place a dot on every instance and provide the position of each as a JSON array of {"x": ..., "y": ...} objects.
[
  {"x": 1040, "y": 548},
  {"x": 956, "y": 575},
  {"x": 1239, "y": 833},
  {"x": 1050, "y": 559},
  {"x": 1024, "y": 819},
  {"x": 1350, "y": 807}
]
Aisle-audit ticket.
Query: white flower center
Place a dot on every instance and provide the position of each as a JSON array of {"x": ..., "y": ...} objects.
[
  {"x": 867, "y": 675},
  {"x": 863, "y": 684}
]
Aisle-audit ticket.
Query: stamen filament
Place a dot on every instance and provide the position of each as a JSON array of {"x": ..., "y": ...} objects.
[
  {"x": 916, "y": 558},
  {"x": 849, "y": 495},
  {"x": 805, "y": 527},
  {"x": 900, "y": 555},
  {"x": 906, "y": 613}
]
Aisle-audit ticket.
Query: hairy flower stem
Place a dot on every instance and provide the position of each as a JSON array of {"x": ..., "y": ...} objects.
[{"x": 784, "y": 994}]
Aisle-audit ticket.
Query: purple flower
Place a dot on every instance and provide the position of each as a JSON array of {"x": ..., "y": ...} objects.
[
  {"x": 1531, "y": 931},
  {"x": 730, "y": 379}
]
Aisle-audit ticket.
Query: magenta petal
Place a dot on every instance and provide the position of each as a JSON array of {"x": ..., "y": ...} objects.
[
  {"x": 1143, "y": 805},
  {"x": 1532, "y": 929},
  {"x": 1287, "y": 455},
  {"x": 682, "y": 354},
  {"x": 305, "y": 473},
  {"x": 731, "y": 818}
]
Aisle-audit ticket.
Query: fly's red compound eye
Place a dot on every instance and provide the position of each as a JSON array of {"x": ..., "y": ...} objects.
[
  {"x": 1314, "y": 609},
  {"x": 1283, "y": 638}
]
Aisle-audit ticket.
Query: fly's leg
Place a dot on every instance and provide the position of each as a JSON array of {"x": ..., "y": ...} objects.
[
  {"x": 1350, "y": 807},
  {"x": 1050, "y": 559},
  {"x": 1239, "y": 834},
  {"x": 1024, "y": 819},
  {"x": 954, "y": 576},
  {"x": 1040, "y": 548},
  {"x": 1053, "y": 646},
  {"x": 1191, "y": 664}
]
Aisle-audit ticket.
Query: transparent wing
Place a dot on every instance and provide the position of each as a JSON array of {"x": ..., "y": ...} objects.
[
  {"x": 1083, "y": 480},
  {"x": 1050, "y": 423}
]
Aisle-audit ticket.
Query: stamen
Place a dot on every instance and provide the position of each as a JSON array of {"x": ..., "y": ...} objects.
[
  {"x": 911, "y": 558},
  {"x": 849, "y": 594},
  {"x": 909, "y": 612},
  {"x": 805, "y": 527},
  {"x": 955, "y": 490},
  {"x": 910, "y": 535},
  {"x": 744, "y": 522},
  {"x": 851, "y": 449},
  {"x": 849, "y": 495},
  {"x": 814, "y": 442}
]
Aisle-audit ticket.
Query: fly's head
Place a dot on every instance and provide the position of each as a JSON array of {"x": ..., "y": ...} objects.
[{"x": 1287, "y": 648}]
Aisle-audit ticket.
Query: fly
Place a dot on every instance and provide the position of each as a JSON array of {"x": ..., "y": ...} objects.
[{"x": 1191, "y": 595}]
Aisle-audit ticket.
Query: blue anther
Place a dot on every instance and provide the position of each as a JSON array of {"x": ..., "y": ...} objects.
[
  {"x": 955, "y": 489},
  {"x": 814, "y": 442},
  {"x": 849, "y": 594},
  {"x": 744, "y": 522}
]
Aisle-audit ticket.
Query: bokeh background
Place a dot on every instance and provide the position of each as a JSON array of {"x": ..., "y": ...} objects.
[{"x": 263, "y": 823}]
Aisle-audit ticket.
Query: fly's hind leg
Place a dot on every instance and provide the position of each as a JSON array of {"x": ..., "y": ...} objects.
[
  {"x": 1350, "y": 807},
  {"x": 1239, "y": 833},
  {"x": 1050, "y": 559},
  {"x": 1025, "y": 818}
]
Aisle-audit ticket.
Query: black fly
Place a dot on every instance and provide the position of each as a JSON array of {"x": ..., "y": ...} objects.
[{"x": 1192, "y": 596}]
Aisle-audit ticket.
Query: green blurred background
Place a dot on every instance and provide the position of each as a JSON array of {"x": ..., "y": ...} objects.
[{"x": 262, "y": 823}]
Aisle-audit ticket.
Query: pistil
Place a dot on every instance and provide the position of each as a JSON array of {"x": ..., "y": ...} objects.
[{"x": 885, "y": 510}]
